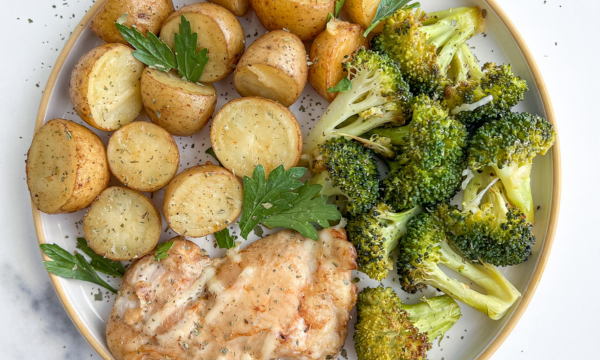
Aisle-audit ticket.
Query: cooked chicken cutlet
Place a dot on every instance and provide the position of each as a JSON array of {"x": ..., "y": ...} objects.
[{"x": 282, "y": 297}]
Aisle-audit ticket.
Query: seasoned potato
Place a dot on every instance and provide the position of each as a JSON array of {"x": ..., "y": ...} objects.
[
  {"x": 66, "y": 167},
  {"x": 237, "y": 7},
  {"x": 250, "y": 131},
  {"x": 202, "y": 200},
  {"x": 122, "y": 224},
  {"x": 273, "y": 67},
  {"x": 105, "y": 87},
  {"x": 218, "y": 30},
  {"x": 145, "y": 15},
  {"x": 181, "y": 107},
  {"x": 330, "y": 49},
  {"x": 362, "y": 12},
  {"x": 305, "y": 18},
  {"x": 143, "y": 156}
]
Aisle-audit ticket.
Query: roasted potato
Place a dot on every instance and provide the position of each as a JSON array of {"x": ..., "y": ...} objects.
[
  {"x": 181, "y": 107},
  {"x": 66, "y": 167},
  {"x": 105, "y": 87},
  {"x": 305, "y": 18},
  {"x": 274, "y": 67},
  {"x": 218, "y": 30},
  {"x": 362, "y": 12},
  {"x": 237, "y": 7},
  {"x": 143, "y": 156},
  {"x": 202, "y": 200},
  {"x": 145, "y": 15},
  {"x": 330, "y": 49},
  {"x": 122, "y": 224},
  {"x": 250, "y": 131}
]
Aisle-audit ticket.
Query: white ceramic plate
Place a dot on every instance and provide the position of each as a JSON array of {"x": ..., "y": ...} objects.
[{"x": 474, "y": 336}]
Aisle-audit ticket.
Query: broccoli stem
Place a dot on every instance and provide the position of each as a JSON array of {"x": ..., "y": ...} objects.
[
  {"x": 517, "y": 185},
  {"x": 322, "y": 178},
  {"x": 397, "y": 228},
  {"x": 467, "y": 66},
  {"x": 501, "y": 294},
  {"x": 434, "y": 316},
  {"x": 397, "y": 135}
]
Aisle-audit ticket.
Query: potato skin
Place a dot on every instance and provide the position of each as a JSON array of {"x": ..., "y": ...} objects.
[
  {"x": 237, "y": 7},
  {"x": 332, "y": 47},
  {"x": 305, "y": 18},
  {"x": 227, "y": 25},
  {"x": 282, "y": 51},
  {"x": 90, "y": 168},
  {"x": 362, "y": 12},
  {"x": 146, "y": 15}
]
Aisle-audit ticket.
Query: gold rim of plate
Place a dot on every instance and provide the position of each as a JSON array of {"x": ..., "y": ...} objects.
[{"x": 546, "y": 248}]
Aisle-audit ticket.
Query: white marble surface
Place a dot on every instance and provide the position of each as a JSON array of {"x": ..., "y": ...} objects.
[{"x": 559, "y": 323}]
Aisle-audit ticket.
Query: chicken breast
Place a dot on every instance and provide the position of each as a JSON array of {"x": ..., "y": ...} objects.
[{"x": 282, "y": 297}]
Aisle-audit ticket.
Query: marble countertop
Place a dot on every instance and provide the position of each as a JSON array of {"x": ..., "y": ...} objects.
[{"x": 559, "y": 33}]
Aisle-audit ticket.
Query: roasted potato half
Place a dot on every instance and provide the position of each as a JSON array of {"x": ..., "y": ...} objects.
[
  {"x": 237, "y": 7},
  {"x": 66, "y": 167},
  {"x": 143, "y": 156},
  {"x": 202, "y": 200},
  {"x": 250, "y": 131},
  {"x": 273, "y": 67},
  {"x": 330, "y": 49},
  {"x": 122, "y": 224},
  {"x": 181, "y": 107},
  {"x": 362, "y": 12},
  {"x": 305, "y": 18},
  {"x": 145, "y": 15},
  {"x": 105, "y": 87},
  {"x": 218, "y": 30}
]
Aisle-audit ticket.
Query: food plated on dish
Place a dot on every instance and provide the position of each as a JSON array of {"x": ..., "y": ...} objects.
[{"x": 418, "y": 172}]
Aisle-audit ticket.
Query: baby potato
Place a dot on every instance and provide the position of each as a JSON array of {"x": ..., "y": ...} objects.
[
  {"x": 181, "y": 107},
  {"x": 143, "y": 156},
  {"x": 237, "y": 7},
  {"x": 219, "y": 31},
  {"x": 145, "y": 15},
  {"x": 202, "y": 200},
  {"x": 362, "y": 12},
  {"x": 330, "y": 49},
  {"x": 250, "y": 131},
  {"x": 122, "y": 224},
  {"x": 273, "y": 67},
  {"x": 105, "y": 87},
  {"x": 305, "y": 18},
  {"x": 66, "y": 167}
]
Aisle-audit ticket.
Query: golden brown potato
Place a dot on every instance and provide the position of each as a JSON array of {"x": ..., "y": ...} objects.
[
  {"x": 122, "y": 224},
  {"x": 330, "y": 49},
  {"x": 250, "y": 131},
  {"x": 146, "y": 15},
  {"x": 218, "y": 30},
  {"x": 66, "y": 167},
  {"x": 143, "y": 156},
  {"x": 305, "y": 18},
  {"x": 105, "y": 87},
  {"x": 273, "y": 67},
  {"x": 202, "y": 200},
  {"x": 362, "y": 12},
  {"x": 181, "y": 107},
  {"x": 237, "y": 7}
]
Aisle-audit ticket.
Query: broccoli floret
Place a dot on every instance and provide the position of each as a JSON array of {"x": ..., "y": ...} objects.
[
  {"x": 378, "y": 96},
  {"x": 375, "y": 236},
  {"x": 387, "y": 329},
  {"x": 482, "y": 94},
  {"x": 507, "y": 147},
  {"x": 346, "y": 168},
  {"x": 424, "y": 49},
  {"x": 487, "y": 229},
  {"x": 424, "y": 248}
]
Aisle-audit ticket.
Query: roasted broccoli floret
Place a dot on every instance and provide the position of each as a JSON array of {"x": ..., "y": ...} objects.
[
  {"x": 507, "y": 147},
  {"x": 378, "y": 96},
  {"x": 387, "y": 329},
  {"x": 425, "y": 247},
  {"x": 487, "y": 229},
  {"x": 481, "y": 94},
  {"x": 346, "y": 168},
  {"x": 375, "y": 236},
  {"x": 425, "y": 48}
]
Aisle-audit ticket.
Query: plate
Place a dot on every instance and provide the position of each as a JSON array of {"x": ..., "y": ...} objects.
[{"x": 473, "y": 337}]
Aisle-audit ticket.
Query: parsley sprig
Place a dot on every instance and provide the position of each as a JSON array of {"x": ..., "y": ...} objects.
[
  {"x": 224, "y": 239},
  {"x": 161, "y": 250},
  {"x": 100, "y": 263},
  {"x": 155, "y": 53}
]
